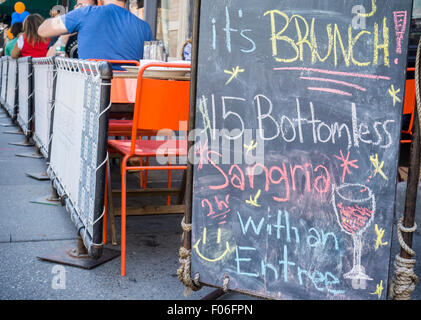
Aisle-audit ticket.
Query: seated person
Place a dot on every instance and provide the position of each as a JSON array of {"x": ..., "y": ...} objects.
[
  {"x": 104, "y": 32},
  {"x": 69, "y": 40},
  {"x": 55, "y": 11},
  {"x": 30, "y": 43},
  {"x": 15, "y": 29},
  {"x": 187, "y": 48}
]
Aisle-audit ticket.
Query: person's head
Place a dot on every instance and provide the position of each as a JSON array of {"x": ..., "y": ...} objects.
[
  {"x": 120, "y": 3},
  {"x": 16, "y": 28},
  {"x": 135, "y": 5},
  {"x": 57, "y": 10},
  {"x": 82, "y": 3},
  {"x": 30, "y": 28}
]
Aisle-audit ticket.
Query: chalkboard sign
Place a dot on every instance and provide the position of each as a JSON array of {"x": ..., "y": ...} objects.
[{"x": 298, "y": 119}]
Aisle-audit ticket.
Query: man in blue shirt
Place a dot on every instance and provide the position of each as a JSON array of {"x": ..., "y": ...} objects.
[{"x": 104, "y": 32}]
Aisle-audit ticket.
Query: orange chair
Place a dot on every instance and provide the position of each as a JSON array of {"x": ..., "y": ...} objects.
[
  {"x": 123, "y": 91},
  {"x": 408, "y": 108},
  {"x": 160, "y": 104}
]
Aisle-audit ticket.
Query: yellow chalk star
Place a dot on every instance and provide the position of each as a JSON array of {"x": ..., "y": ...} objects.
[
  {"x": 253, "y": 202},
  {"x": 394, "y": 94},
  {"x": 379, "y": 289},
  {"x": 251, "y": 147},
  {"x": 380, "y": 234},
  {"x": 378, "y": 167},
  {"x": 234, "y": 73},
  {"x": 203, "y": 108}
]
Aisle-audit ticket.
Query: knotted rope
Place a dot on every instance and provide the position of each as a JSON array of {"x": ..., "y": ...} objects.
[
  {"x": 405, "y": 279},
  {"x": 225, "y": 283},
  {"x": 184, "y": 272}
]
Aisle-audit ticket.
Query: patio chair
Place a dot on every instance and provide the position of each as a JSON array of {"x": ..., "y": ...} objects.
[{"x": 160, "y": 106}]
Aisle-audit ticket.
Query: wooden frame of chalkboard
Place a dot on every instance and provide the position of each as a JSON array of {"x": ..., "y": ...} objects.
[
  {"x": 303, "y": 101},
  {"x": 192, "y": 118}
]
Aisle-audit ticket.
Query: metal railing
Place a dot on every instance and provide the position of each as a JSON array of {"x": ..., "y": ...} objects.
[
  {"x": 43, "y": 79},
  {"x": 25, "y": 95},
  {"x": 11, "y": 104},
  {"x": 79, "y": 144},
  {"x": 3, "y": 91}
]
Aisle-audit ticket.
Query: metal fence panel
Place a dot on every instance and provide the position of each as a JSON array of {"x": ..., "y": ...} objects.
[
  {"x": 11, "y": 96},
  {"x": 1, "y": 77},
  {"x": 25, "y": 94},
  {"x": 43, "y": 69},
  {"x": 3, "y": 91},
  {"x": 79, "y": 140}
]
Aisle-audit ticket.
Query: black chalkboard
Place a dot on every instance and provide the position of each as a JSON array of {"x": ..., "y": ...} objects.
[{"x": 298, "y": 117}]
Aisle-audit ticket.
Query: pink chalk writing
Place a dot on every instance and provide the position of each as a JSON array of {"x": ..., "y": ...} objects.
[
  {"x": 400, "y": 18},
  {"x": 335, "y": 73},
  {"x": 328, "y": 90},
  {"x": 223, "y": 207},
  {"x": 344, "y": 83}
]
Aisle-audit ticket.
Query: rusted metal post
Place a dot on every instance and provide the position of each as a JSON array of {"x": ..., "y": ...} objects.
[
  {"x": 405, "y": 279},
  {"x": 412, "y": 187},
  {"x": 214, "y": 294},
  {"x": 192, "y": 118}
]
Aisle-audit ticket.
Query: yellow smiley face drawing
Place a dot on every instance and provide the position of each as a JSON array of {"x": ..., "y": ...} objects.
[{"x": 209, "y": 248}]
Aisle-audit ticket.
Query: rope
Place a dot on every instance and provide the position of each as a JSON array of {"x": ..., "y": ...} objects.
[
  {"x": 401, "y": 229},
  {"x": 184, "y": 272},
  {"x": 186, "y": 227},
  {"x": 405, "y": 280},
  {"x": 225, "y": 283}
]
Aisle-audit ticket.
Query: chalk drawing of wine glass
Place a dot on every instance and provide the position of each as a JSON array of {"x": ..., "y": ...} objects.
[{"x": 355, "y": 206}]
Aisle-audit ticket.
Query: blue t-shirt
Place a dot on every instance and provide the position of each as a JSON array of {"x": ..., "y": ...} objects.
[{"x": 108, "y": 32}]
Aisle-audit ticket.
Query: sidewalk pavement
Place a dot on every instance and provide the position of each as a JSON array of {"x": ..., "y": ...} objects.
[{"x": 28, "y": 230}]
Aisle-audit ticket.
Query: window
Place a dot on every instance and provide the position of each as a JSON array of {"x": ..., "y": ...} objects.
[
  {"x": 415, "y": 33},
  {"x": 173, "y": 26},
  {"x": 416, "y": 11}
]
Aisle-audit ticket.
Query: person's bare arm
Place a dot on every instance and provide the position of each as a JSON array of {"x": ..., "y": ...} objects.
[
  {"x": 51, "y": 51},
  {"x": 52, "y": 27},
  {"x": 64, "y": 39},
  {"x": 15, "y": 52}
]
